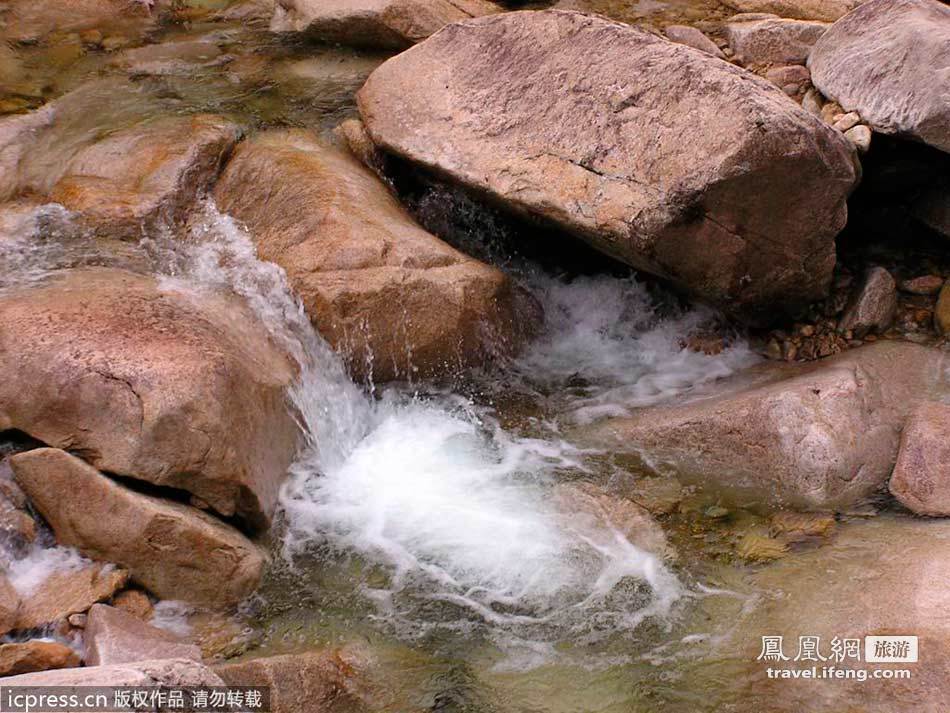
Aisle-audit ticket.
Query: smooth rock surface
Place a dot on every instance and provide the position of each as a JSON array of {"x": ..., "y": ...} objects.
[
  {"x": 827, "y": 10},
  {"x": 392, "y": 24},
  {"x": 921, "y": 478},
  {"x": 777, "y": 41},
  {"x": 68, "y": 592},
  {"x": 161, "y": 383},
  {"x": 169, "y": 673},
  {"x": 889, "y": 60},
  {"x": 695, "y": 170},
  {"x": 9, "y": 605},
  {"x": 170, "y": 58},
  {"x": 30, "y": 656},
  {"x": 147, "y": 175},
  {"x": 873, "y": 307},
  {"x": 923, "y": 285},
  {"x": 113, "y": 636},
  {"x": 691, "y": 37},
  {"x": 821, "y": 436},
  {"x": 174, "y": 550},
  {"x": 353, "y": 255}
]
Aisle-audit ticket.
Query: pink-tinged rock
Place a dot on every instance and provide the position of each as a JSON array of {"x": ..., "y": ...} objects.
[{"x": 921, "y": 479}]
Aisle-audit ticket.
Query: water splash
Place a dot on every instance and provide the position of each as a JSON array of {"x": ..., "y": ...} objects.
[{"x": 458, "y": 510}]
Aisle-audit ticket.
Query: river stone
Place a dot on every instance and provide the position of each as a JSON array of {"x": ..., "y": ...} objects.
[
  {"x": 174, "y": 550},
  {"x": 30, "y": 656},
  {"x": 352, "y": 254},
  {"x": 148, "y": 175},
  {"x": 923, "y": 285},
  {"x": 827, "y": 10},
  {"x": 134, "y": 602},
  {"x": 889, "y": 60},
  {"x": 921, "y": 478},
  {"x": 113, "y": 636},
  {"x": 390, "y": 24},
  {"x": 66, "y": 592},
  {"x": 168, "y": 673},
  {"x": 691, "y": 37},
  {"x": 773, "y": 41},
  {"x": 818, "y": 436},
  {"x": 873, "y": 307},
  {"x": 301, "y": 683},
  {"x": 154, "y": 381},
  {"x": 860, "y": 136},
  {"x": 690, "y": 171}
]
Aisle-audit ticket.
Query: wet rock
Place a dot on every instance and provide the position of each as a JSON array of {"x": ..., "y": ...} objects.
[
  {"x": 853, "y": 63},
  {"x": 171, "y": 58},
  {"x": 777, "y": 41},
  {"x": 691, "y": 37},
  {"x": 819, "y": 436},
  {"x": 873, "y": 307},
  {"x": 942, "y": 310},
  {"x": 161, "y": 383},
  {"x": 352, "y": 253},
  {"x": 321, "y": 680},
  {"x": 134, "y": 602},
  {"x": 177, "y": 552},
  {"x": 593, "y": 512},
  {"x": 168, "y": 673},
  {"x": 827, "y": 10},
  {"x": 30, "y": 656},
  {"x": 795, "y": 526},
  {"x": 860, "y": 136},
  {"x": 9, "y": 605},
  {"x": 147, "y": 175},
  {"x": 391, "y": 24},
  {"x": 613, "y": 167},
  {"x": 921, "y": 478},
  {"x": 353, "y": 134},
  {"x": 923, "y": 285},
  {"x": 221, "y": 636},
  {"x": 756, "y": 547},
  {"x": 68, "y": 592},
  {"x": 113, "y": 637}
]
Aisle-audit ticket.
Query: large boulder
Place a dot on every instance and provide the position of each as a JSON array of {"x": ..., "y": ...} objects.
[
  {"x": 655, "y": 153},
  {"x": 378, "y": 287},
  {"x": 174, "y": 550},
  {"x": 146, "y": 175},
  {"x": 159, "y": 382},
  {"x": 393, "y": 24},
  {"x": 113, "y": 636},
  {"x": 827, "y": 10},
  {"x": 821, "y": 436},
  {"x": 889, "y": 60}
]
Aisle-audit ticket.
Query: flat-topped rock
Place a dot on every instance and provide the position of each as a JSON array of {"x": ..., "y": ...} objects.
[
  {"x": 113, "y": 636},
  {"x": 822, "y": 436}
]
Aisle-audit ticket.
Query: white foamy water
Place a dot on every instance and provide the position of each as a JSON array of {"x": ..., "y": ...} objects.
[
  {"x": 608, "y": 333},
  {"x": 460, "y": 513},
  {"x": 27, "y": 573},
  {"x": 454, "y": 507}
]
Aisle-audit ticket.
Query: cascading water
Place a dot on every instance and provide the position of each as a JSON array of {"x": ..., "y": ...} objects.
[{"x": 466, "y": 519}]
